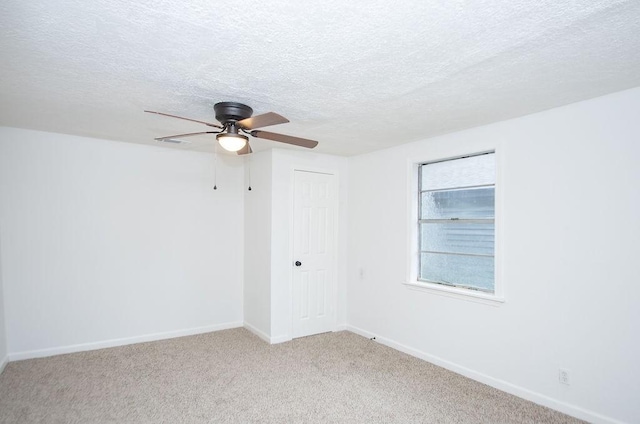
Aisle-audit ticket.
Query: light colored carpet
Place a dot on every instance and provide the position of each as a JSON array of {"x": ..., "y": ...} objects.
[{"x": 232, "y": 376}]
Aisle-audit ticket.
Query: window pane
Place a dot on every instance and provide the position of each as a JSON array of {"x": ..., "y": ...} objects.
[
  {"x": 464, "y": 203},
  {"x": 458, "y": 238},
  {"x": 468, "y": 271},
  {"x": 463, "y": 172}
]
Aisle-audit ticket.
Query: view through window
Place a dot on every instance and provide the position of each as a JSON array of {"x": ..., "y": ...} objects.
[{"x": 456, "y": 222}]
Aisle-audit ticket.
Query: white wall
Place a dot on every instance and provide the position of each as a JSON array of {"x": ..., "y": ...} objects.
[
  {"x": 106, "y": 241},
  {"x": 3, "y": 329},
  {"x": 257, "y": 241},
  {"x": 571, "y": 226},
  {"x": 285, "y": 162}
]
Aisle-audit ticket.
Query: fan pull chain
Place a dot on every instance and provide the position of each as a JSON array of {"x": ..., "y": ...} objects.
[
  {"x": 249, "y": 170},
  {"x": 215, "y": 166}
]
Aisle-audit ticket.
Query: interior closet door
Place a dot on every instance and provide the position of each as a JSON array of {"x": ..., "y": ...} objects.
[{"x": 314, "y": 259}]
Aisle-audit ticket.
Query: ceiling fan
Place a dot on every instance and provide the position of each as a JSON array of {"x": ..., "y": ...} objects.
[{"x": 236, "y": 118}]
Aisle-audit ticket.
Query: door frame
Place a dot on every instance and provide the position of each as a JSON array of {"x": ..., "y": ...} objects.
[{"x": 336, "y": 230}]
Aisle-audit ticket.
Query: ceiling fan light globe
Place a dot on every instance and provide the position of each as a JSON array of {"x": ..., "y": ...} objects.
[{"x": 232, "y": 142}]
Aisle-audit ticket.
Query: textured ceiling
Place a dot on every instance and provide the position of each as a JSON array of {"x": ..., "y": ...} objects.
[{"x": 355, "y": 75}]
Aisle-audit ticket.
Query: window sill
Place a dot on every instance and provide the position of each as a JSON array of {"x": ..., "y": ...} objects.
[{"x": 456, "y": 293}]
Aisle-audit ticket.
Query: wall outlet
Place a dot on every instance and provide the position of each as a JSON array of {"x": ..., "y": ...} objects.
[{"x": 563, "y": 376}]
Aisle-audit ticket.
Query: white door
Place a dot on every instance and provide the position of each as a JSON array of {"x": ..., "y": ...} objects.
[{"x": 314, "y": 232}]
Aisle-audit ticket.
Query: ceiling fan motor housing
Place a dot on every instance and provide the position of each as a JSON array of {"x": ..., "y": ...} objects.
[{"x": 231, "y": 111}]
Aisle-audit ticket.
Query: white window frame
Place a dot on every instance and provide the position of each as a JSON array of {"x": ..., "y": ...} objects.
[{"x": 411, "y": 282}]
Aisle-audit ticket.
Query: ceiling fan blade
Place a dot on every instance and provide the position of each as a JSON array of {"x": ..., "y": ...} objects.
[
  {"x": 296, "y": 141},
  {"x": 263, "y": 120},
  {"x": 187, "y": 135},
  {"x": 245, "y": 150},
  {"x": 186, "y": 119}
]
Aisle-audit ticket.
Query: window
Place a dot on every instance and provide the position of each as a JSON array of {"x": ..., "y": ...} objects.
[{"x": 456, "y": 223}]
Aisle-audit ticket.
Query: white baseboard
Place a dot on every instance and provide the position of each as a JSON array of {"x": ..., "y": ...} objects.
[
  {"x": 264, "y": 336},
  {"x": 566, "y": 408},
  {"x": 17, "y": 356},
  {"x": 280, "y": 339},
  {"x": 3, "y": 363}
]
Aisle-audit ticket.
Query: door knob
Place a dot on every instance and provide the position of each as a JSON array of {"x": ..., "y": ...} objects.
[{"x": 298, "y": 263}]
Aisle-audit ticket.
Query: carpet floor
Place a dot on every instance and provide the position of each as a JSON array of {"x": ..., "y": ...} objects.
[{"x": 232, "y": 376}]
